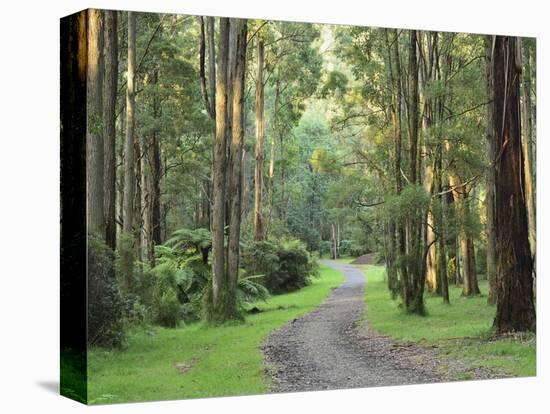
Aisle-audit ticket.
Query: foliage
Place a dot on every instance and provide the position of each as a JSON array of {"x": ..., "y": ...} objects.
[
  {"x": 166, "y": 306},
  {"x": 285, "y": 265},
  {"x": 182, "y": 279},
  {"x": 183, "y": 239},
  {"x": 107, "y": 306}
]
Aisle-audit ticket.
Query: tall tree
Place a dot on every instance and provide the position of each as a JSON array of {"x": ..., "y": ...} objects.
[
  {"x": 239, "y": 28},
  {"x": 109, "y": 122},
  {"x": 490, "y": 179},
  {"x": 527, "y": 137},
  {"x": 219, "y": 300},
  {"x": 94, "y": 135},
  {"x": 260, "y": 121},
  {"x": 129, "y": 171},
  {"x": 515, "y": 301}
]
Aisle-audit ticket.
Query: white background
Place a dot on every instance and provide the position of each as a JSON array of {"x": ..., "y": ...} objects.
[{"x": 29, "y": 185}]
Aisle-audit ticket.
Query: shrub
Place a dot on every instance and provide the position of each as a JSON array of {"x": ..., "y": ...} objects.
[
  {"x": 345, "y": 247},
  {"x": 166, "y": 307},
  {"x": 107, "y": 306},
  {"x": 182, "y": 279},
  {"x": 284, "y": 265},
  {"x": 325, "y": 247}
]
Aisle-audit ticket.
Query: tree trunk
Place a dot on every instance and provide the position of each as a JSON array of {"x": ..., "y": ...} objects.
[
  {"x": 138, "y": 201},
  {"x": 94, "y": 132},
  {"x": 515, "y": 302},
  {"x": 210, "y": 30},
  {"x": 258, "y": 178},
  {"x": 129, "y": 172},
  {"x": 426, "y": 72},
  {"x": 333, "y": 238},
  {"x": 239, "y": 27},
  {"x": 338, "y": 239},
  {"x": 396, "y": 121},
  {"x": 218, "y": 178},
  {"x": 274, "y": 126},
  {"x": 145, "y": 204},
  {"x": 150, "y": 185},
  {"x": 440, "y": 225},
  {"x": 391, "y": 269},
  {"x": 155, "y": 162},
  {"x": 431, "y": 260},
  {"x": 417, "y": 258},
  {"x": 490, "y": 179},
  {"x": 527, "y": 137},
  {"x": 109, "y": 119},
  {"x": 466, "y": 244}
]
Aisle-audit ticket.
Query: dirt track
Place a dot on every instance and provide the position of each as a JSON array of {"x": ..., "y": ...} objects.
[{"x": 325, "y": 349}]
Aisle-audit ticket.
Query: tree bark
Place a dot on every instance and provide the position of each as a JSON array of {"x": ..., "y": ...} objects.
[
  {"x": 210, "y": 30},
  {"x": 239, "y": 27},
  {"x": 333, "y": 237},
  {"x": 202, "y": 70},
  {"x": 417, "y": 257},
  {"x": 138, "y": 200},
  {"x": 219, "y": 177},
  {"x": 515, "y": 301},
  {"x": 109, "y": 118},
  {"x": 260, "y": 119},
  {"x": 391, "y": 254},
  {"x": 271, "y": 175},
  {"x": 94, "y": 130},
  {"x": 490, "y": 180},
  {"x": 129, "y": 172},
  {"x": 527, "y": 137},
  {"x": 145, "y": 203},
  {"x": 442, "y": 276},
  {"x": 396, "y": 121}
]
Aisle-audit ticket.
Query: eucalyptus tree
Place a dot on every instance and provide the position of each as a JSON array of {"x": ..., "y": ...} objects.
[
  {"x": 129, "y": 167},
  {"x": 94, "y": 124},
  {"x": 514, "y": 265},
  {"x": 110, "y": 84}
]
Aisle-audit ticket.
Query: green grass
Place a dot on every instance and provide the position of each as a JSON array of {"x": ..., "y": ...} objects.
[
  {"x": 73, "y": 375},
  {"x": 462, "y": 328},
  {"x": 216, "y": 361}
]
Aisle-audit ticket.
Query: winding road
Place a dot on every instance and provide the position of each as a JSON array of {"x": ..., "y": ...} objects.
[{"x": 332, "y": 347}]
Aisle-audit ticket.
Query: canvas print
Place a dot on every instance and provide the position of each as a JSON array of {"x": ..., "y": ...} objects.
[{"x": 252, "y": 206}]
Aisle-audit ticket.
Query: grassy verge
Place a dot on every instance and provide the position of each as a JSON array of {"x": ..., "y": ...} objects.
[
  {"x": 460, "y": 329},
  {"x": 197, "y": 360}
]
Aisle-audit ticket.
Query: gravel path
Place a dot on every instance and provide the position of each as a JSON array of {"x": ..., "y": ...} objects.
[{"x": 332, "y": 348}]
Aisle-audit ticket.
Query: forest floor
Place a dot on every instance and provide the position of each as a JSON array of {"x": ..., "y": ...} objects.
[{"x": 334, "y": 346}]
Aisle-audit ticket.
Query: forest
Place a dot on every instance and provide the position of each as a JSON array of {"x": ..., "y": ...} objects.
[{"x": 232, "y": 163}]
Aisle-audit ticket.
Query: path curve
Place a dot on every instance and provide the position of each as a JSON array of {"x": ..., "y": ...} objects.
[{"x": 332, "y": 347}]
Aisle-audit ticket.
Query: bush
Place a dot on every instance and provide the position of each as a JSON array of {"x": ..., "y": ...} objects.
[
  {"x": 284, "y": 265},
  {"x": 325, "y": 248},
  {"x": 166, "y": 308},
  {"x": 345, "y": 247},
  {"x": 182, "y": 279},
  {"x": 107, "y": 306}
]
